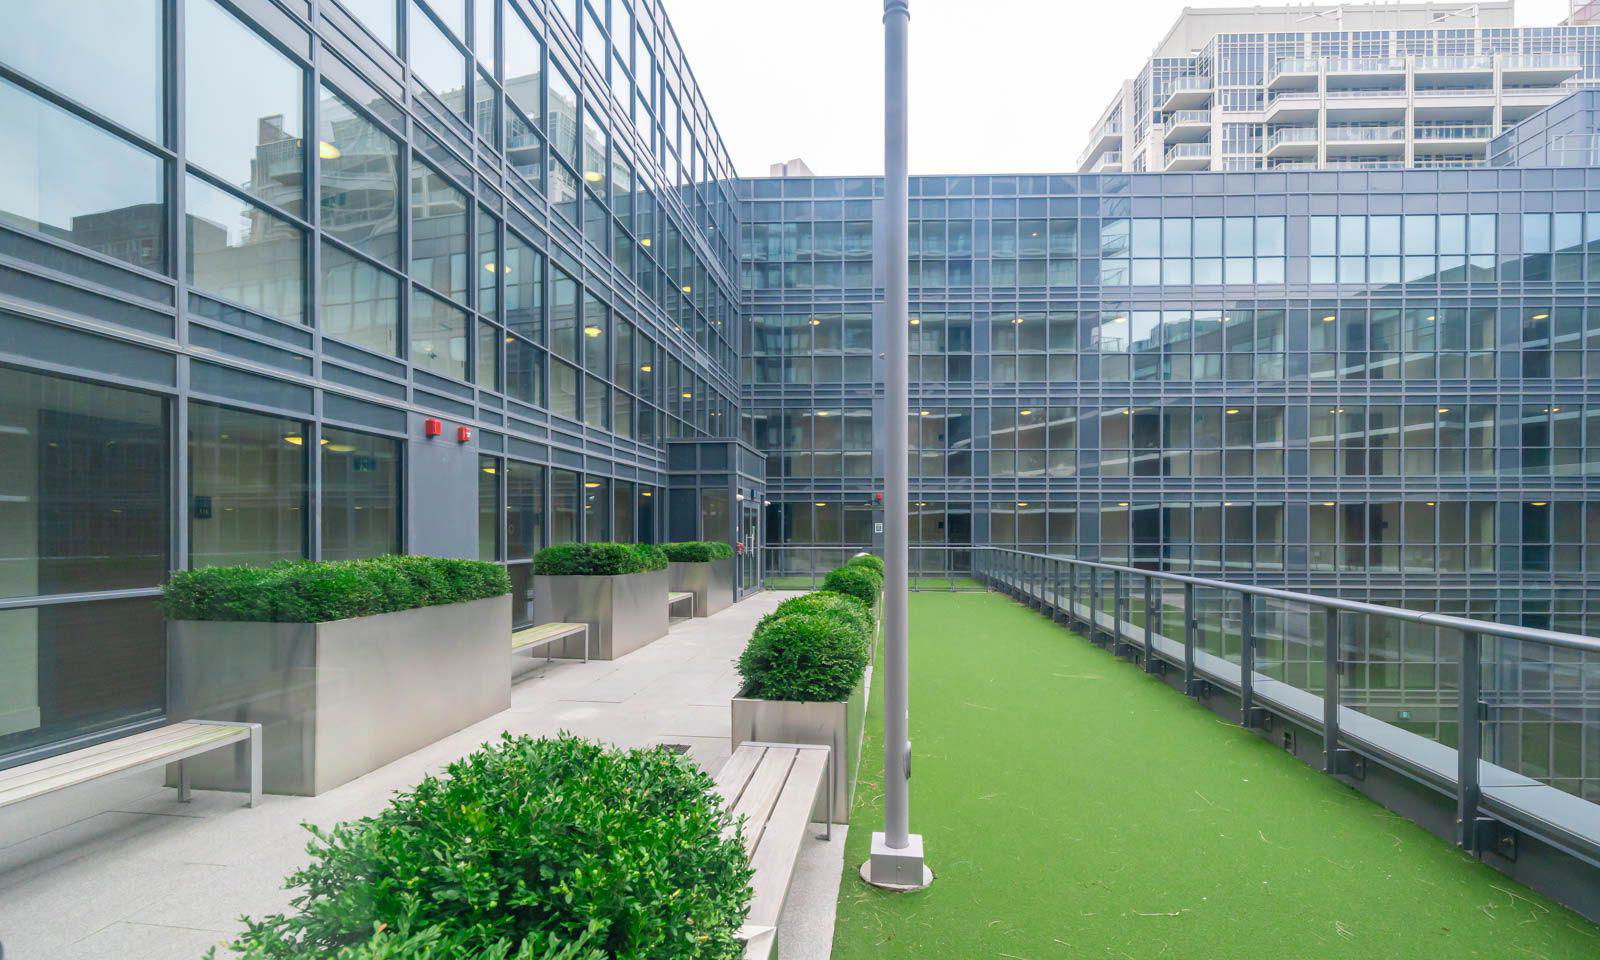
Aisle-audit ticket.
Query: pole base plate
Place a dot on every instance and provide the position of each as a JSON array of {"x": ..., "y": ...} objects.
[{"x": 901, "y": 870}]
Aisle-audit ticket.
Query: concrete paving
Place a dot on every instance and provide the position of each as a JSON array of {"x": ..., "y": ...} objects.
[{"x": 121, "y": 870}]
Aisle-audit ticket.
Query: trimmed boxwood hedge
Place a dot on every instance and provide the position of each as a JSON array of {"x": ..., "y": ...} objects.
[
  {"x": 826, "y": 603},
  {"x": 551, "y": 849},
  {"x": 697, "y": 551},
  {"x": 858, "y": 581},
  {"x": 301, "y": 591},
  {"x": 866, "y": 560},
  {"x": 809, "y": 657},
  {"x": 598, "y": 559}
]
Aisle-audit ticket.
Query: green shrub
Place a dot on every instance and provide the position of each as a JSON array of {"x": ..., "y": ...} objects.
[
  {"x": 828, "y": 604},
  {"x": 552, "y": 849},
  {"x": 809, "y": 657},
  {"x": 300, "y": 591},
  {"x": 860, "y": 582},
  {"x": 598, "y": 559},
  {"x": 866, "y": 560},
  {"x": 697, "y": 551}
]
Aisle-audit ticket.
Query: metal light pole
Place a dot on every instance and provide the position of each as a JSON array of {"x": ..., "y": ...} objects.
[{"x": 896, "y": 861}]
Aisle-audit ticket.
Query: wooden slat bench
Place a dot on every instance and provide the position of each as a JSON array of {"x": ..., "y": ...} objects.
[
  {"x": 173, "y": 743},
  {"x": 773, "y": 787},
  {"x": 545, "y": 634},
  {"x": 674, "y": 599}
]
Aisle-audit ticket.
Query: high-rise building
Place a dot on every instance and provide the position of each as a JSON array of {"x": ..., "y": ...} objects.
[
  {"x": 1337, "y": 86},
  {"x": 333, "y": 279}
]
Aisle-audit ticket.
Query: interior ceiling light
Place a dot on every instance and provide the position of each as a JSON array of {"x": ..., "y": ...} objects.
[
  {"x": 645, "y": 368},
  {"x": 645, "y": 242},
  {"x": 591, "y": 331},
  {"x": 591, "y": 484},
  {"x": 1541, "y": 316},
  {"x": 341, "y": 448},
  {"x": 593, "y": 176},
  {"x": 328, "y": 151},
  {"x": 915, "y": 321},
  {"x": 1328, "y": 319},
  {"x": 489, "y": 266},
  {"x": 295, "y": 439}
]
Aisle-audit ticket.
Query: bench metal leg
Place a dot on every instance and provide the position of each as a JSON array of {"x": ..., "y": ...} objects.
[
  {"x": 255, "y": 764},
  {"x": 183, "y": 781},
  {"x": 585, "y": 642}
]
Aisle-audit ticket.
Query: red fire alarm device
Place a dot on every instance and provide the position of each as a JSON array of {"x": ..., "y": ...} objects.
[
  {"x": 432, "y": 427},
  {"x": 463, "y": 434}
]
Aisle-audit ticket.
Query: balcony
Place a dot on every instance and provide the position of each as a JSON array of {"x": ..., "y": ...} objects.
[
  {"x": 1188, "y": 125},
  {"x": 1292, "y": 142},
  {"x": 1353, "y": 140},
  {"x": 1366, "y": 66},
  {"x": 1294, "y": 73},
  {"x": 1187, "y": 93},
  {"x": 1455, "y": 138},
  {"x": 1520, "y": 103},
  {"x": 1480, "y": 65},
  {"x": 1548, "y": 69},
  {"x": 1108, "y": 162},
  {"x": 1187, "y": 156},
  {"x": 1293, "y": 106},
  {"x": 1108, "y": 136}
]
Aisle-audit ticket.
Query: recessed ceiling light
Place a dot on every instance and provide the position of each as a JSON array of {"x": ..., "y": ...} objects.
[{"x": 328, "y": 151}]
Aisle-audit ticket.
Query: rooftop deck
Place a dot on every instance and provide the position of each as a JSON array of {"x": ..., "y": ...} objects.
[{"x": 1074, "y": 806}]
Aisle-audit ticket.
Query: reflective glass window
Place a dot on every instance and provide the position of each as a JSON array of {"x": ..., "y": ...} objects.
[
  {"x": 360, "y": 302},
  {"x": 359, "y": 167},
  {"x": 247, "y": 487},
  {"x": 52, "y": 42},
  {"x": 240, "y": 252},
  {"x": 69, "y": 179},
  {"x": 243, "y": 107},
  {"x": 360, "y": 495},
  {"x": 438, "y": 335}
]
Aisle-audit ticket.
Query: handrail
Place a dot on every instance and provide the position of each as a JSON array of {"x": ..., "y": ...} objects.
[
  {"x": 1571, "y": 641},
  {"x": 1031, "y": 575}
]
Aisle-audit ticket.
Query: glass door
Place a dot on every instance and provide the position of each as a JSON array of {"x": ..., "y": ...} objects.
[{"x": 749, "y": 547}]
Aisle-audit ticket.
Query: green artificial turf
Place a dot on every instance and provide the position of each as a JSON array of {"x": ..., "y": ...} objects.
[{"x": 1073, "y": 807}]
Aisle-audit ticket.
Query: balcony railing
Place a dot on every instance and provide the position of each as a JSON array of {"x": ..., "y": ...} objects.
[
  {"x": 1365, "y": 134},
  {"x": 1541, "y": 61},
  {"x": 1179, "y": 117},
  {"x": 1187, "y": 151},
  {"x": 1293, "y": 65},
  {"x": 1482, "y": 62},
  {"x": 1366, "y": 65},
  {"x": 1285, "y": 135},
  {"x": 1294, "y": 655},
  {"x": 1464, "y": 131}
]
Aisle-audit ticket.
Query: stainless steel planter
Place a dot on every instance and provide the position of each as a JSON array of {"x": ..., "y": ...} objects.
[
  {"x": 838, "y": 725},
  {"x": 710, "y": 582},
  {"x": 623, "y": 613},
  {"x": 337, "y": 700}
]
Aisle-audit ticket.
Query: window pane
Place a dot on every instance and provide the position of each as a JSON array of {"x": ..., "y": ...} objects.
[
  {"x": 67, "y": 178},
  {"x": 596, "y": 509},
  {"x": 563, "y": 115},
  {"x": 438, "y": 336},
  {"x": 247, "y": 487},
  {"x": 488, "y": 508},
  {"x": 360, "y": 302},
  {"x": 563, "y": 506},
  {"x": 524, "y": 509},
  {"x": 360, "y": 495},
  {"x": 375, "y": 15},
  {"x": 360, "y": 169},
  {"x": 122, "y": 40},
  {"x": 524, "y": 371},
  {"x": 524, "y": 272},
  {"x": 243, "y": 110},
  {"x": 83, "y": 486},
  {"x": 240, "y": 252},
  {"x": 75, "y": 669},
  {"x": 524, "y": 52},
  {"x": 437, "y": 62},
  {"x": 438, "y": 232}
]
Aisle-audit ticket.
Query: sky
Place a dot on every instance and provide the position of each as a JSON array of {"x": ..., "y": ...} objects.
[{"x": 997, "y": 86}]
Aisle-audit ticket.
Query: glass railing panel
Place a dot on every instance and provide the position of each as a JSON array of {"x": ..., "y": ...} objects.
[{"x": 1542, "y": 714}]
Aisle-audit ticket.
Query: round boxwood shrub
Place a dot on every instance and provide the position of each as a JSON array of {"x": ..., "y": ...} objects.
[
  {"x": 866, "y": 560},
  {"x": 598, "y": 559},
  {"x": 300, "y": 591},
  {"x": 551, "y": 849},
  {"x": 858, "y": 581},
  {"x": 697, "y": 551},
  {"x": 809, "y": 657},
  {"x": 827, "y": 604}
]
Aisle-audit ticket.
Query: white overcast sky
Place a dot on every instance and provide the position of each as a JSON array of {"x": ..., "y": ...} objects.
[{"x": 997, "y": 86}]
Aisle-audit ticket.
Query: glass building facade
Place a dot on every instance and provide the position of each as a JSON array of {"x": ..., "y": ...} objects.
[
  {"x": 247, "y": 257},
  {"x": 1373, "y": 384}
]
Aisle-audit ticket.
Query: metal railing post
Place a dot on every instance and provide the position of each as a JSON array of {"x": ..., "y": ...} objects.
[
  {"x": 1094, "y": 602},
  {"x": 1469, "y": 737},
  {"x": 1149, "y": 625},
  {"x": 1072, "y": 591},
  {"x": 1116, "y": 610},
  {"x": 1330, "y": 692},
  {"x": 1191, "y": 625},
  {"x": 1247, "y": 660}
]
